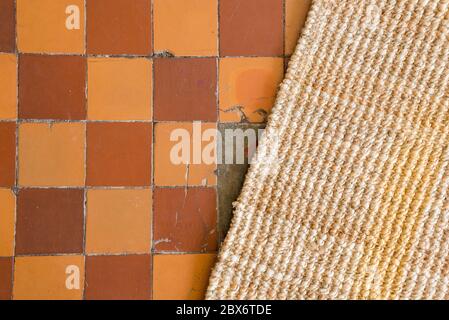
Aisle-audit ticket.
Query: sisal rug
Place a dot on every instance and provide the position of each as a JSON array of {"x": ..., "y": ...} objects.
[{"x": 348, "y": 196}]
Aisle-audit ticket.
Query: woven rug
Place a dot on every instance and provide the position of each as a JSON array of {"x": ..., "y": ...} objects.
[{"x": 348, "y": 195}]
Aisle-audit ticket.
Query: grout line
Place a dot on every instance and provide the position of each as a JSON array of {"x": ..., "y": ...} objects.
[
  {"x": 86, "y": 106},
  {"x": 152, "y": 152},
  {"x": 217, "y": 211},
  {"x": 152, "y": 56},
  {"x": 16, "y": 178}
]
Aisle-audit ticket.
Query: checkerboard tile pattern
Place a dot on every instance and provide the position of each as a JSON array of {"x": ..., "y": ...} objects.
[{"x": 91, "y": 207}]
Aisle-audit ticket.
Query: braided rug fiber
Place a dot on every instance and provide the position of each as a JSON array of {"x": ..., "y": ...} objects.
[{"x": 348, "y": 196}]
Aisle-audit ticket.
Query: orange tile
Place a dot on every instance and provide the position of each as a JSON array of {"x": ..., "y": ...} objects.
[
  {"x": 8, "y": 83},
  {"x": 196, "y": 18},
  {"x": 119, "y": 89},
  {"x": 248, "y": 87},
  {"x": 295, "y": 17},
  {"x": 167, "y": 144},
  {"x": 51, "y": 154},
  {"x": 7, "y": 220},
  {"x": 181, "y": 277},
  {"x": 44, "y": 26},
  {"x": 118, "y": 221},
  {"x": 48, "y": 278}
]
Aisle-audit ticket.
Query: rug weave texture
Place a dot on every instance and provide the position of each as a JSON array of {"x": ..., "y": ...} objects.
[{"x": 348, "y": 195}]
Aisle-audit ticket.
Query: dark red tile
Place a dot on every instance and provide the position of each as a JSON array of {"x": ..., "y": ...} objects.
[
  {"x": 7, "y": 26},
  {"x": 185, "y": 219},
  {"x": 118, "y": 277},
  {"x": 185, "y": 89},
  {"x": 119, "y": 154},
  {"x": 7, "y": 154},
  {"x": 251, "y": 27},
  {"x": 119, "y": 27},
  {"x": 6, "y": 265},
  {"x": 52, "y": 87},
  {"x": 50, "y": 221}
]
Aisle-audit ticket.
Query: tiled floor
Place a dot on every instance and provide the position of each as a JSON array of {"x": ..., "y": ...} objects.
[{"x": 90, "y": 205}]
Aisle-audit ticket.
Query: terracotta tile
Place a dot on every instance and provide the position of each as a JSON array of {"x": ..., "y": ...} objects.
[
  {"x": 7, "y": 26},
  {"x": 7, "y": 154},
  {"x": 7, "y": 222},
  {"x": 119, "y": 89},
  {"x": 198, "y": 20},
  {"x": 8, "y": 83},
  {"x": 248, "y": 88},
  {"x": 185, "y": 219},
  {"x": 181, "y": 277},
  {"x": 51, "y": 154},
  {"x": 118, "y": 27},
  {"x": 119, "y": 154},
  {"x": 185, "y": 89},
  {"x": 251, "y": 27},
  {"x": 295, "y": 17},
  {"x": 50, "y": 221},
  {"x": 171, "y": 173},
  {"x": 6, "y": 267},
  {"x": 49, "y": 278},
  {"x": 44, "y": 26},
  {"x": 118, "y": 221},
  {"x": 52, "y": 87},
  {"x": 118, "y": 277}
]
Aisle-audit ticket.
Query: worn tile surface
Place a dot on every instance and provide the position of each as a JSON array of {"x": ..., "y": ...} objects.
[
  {"x": 185, "y": 219},
  {"x": 114, "y": 180},
  {"x": 186, "y": 171},
  {"x": 248, "y": 88}
]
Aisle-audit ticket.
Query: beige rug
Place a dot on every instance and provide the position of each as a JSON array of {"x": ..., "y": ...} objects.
[{"x": 348, "y": 198}]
